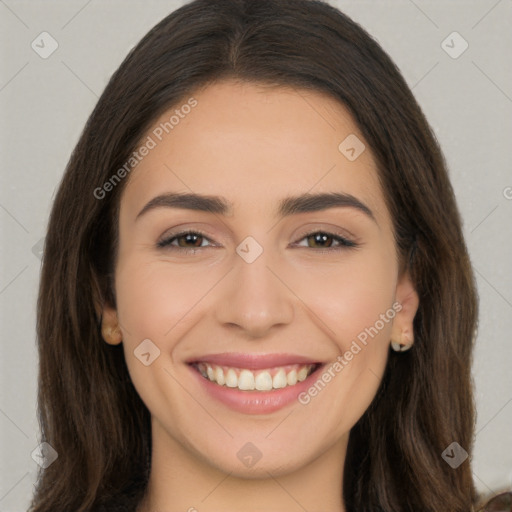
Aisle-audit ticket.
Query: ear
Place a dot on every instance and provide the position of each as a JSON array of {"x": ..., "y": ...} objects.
[
  {"x": 110, "y": 326},
  {"x": 105, "y": 313},
  {"x": 406, "y": 295}
]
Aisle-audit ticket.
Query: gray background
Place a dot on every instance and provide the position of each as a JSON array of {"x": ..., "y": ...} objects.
[{"x": 45, "y": 103}]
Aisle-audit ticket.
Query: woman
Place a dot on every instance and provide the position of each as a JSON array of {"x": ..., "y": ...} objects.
[{"x": 260, "y": 367}]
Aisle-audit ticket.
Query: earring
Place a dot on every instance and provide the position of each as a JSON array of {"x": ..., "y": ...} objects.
[
  {"x": 398, "y": 347},
  {"x": 112, "y": 335},
  {"x": 402, "y": 347}
]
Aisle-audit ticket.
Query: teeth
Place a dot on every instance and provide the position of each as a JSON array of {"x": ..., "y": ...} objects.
[
  {"x": 231, "y": 379},
  {"x": 291, "y": 378},
  {"x": 219, "y": 376},
  {"x": 260, "y": 380},
  {"x": 246, "y": 380},
  {"x": 279, "y": 380},
  {"x": 302, "y": 374},
  {"x": 263, "y": 381}
]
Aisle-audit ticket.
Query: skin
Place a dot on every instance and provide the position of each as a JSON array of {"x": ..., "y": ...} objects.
[{"x": 294, "y": 298}]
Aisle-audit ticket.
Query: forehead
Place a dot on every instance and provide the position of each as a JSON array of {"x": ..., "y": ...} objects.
[{"x": 254, "y": 144}]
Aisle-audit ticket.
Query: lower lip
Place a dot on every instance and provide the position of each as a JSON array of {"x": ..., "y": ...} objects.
[{"x": 255, "y": 402}]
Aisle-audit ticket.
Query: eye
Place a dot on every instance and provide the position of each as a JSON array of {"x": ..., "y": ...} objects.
[
  {"x": 194, "y": 238},
  {"x": 190, "y": 241},
  {"x": 326, "y": 240}
]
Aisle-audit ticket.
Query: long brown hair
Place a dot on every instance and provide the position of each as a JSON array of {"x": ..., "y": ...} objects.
[{"x": 89, "y": 411}]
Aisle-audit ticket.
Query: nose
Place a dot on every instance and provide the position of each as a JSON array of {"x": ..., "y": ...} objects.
[{"x": 255, "y": 298}]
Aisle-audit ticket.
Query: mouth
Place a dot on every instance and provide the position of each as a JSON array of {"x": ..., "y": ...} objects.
[
  {"x": 246, "y": 379},
  {"x": 252, "y": 383}
]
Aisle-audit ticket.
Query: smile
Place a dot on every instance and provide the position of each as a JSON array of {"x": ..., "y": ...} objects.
[
  {"x": 251, "y": 383},
  {"x": 255, "y": 380}
]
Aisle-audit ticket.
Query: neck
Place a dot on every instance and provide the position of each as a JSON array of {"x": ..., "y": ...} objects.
[{"x": 180, "y": 480}]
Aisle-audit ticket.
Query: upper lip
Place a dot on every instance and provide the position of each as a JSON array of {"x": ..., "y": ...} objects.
[{"x": 253, "y": 361}]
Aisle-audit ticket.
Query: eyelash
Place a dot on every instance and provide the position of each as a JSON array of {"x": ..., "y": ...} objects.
[{"x": 344, "y": 242}]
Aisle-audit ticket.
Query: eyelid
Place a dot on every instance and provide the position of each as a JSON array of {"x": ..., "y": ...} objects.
[
  {"x": 330, "y": 230},
  {"x": 338, "y": 235},
  {"x": 165, "y": 240}
]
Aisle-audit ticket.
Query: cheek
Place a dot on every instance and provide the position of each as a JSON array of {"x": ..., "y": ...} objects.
[
  {"x": 159, "y": 302},
  {"x": 350, "y": 296},
  {"x": 153, "y": 297},
  {"x": 347, "y": 294},
  {"x": 354, "y": 301}
]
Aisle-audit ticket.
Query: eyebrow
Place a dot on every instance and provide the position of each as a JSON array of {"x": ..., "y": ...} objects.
[{"x": 304, "y": 203}]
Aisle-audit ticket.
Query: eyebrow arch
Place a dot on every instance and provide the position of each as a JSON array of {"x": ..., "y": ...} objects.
[{"x": 304, "y": 203}]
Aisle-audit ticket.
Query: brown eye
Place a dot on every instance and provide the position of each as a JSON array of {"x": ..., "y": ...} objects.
[
  {"x": 186, "y": 240},
  {"x": 322, "y": 239},
  {"x": 190, "y": 238},
  {"x": 325, "y": 240}
]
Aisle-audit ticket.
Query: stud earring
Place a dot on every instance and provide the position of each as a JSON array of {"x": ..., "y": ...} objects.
[
  {"x": 402, "y": 347},
  {"x": 399, "y": 347},
  {"x": 112, "y": 335}
]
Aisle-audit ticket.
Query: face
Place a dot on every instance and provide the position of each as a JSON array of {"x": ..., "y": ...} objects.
[{"x": 254, "y": 327}]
